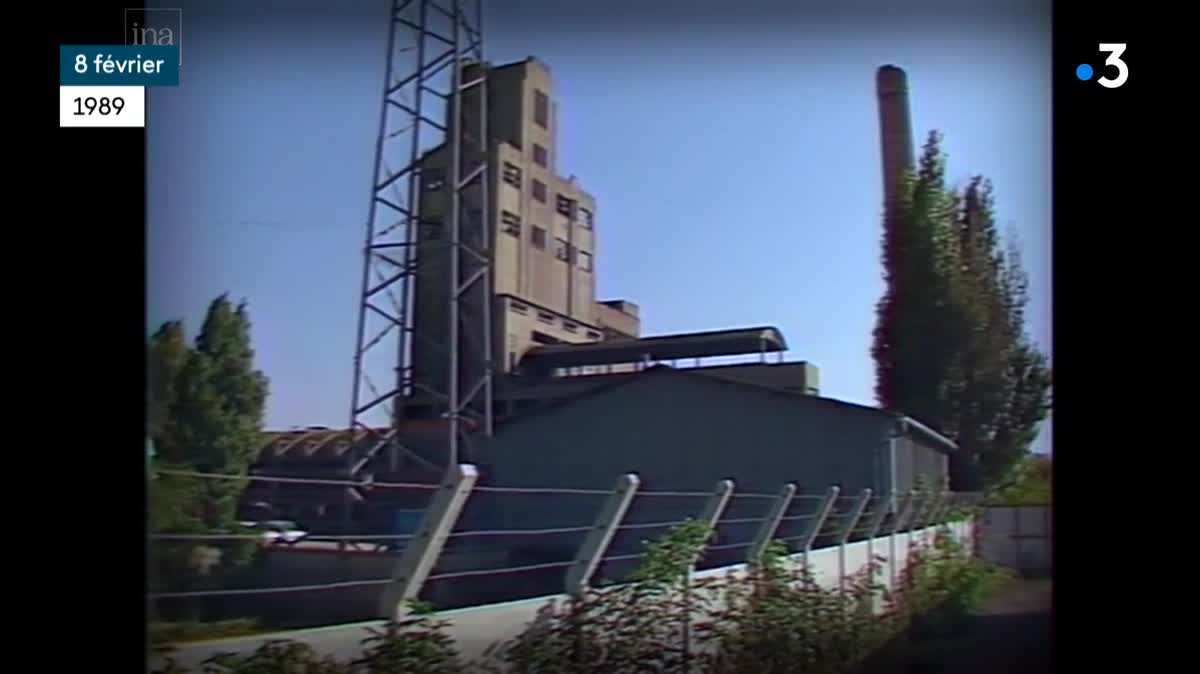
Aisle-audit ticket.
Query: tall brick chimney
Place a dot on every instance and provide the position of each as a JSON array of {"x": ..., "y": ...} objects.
[{"x": 895, "y": 127}]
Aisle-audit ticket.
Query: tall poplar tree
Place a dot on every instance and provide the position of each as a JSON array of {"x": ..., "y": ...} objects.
[{"x": 950, "y": 345}]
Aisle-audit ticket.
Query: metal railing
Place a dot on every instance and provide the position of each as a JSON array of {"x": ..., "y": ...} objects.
[{"x": 747, "y": 522}]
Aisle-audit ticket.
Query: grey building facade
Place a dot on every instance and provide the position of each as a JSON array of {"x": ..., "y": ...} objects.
[
  {"x": 684, "y": 431},
  {"x": 681, "y": 432}
]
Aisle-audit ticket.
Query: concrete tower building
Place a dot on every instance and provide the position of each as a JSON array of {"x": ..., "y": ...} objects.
[
  {"x": 541, "y": 231},
  {"x": 895, "y": 127}
]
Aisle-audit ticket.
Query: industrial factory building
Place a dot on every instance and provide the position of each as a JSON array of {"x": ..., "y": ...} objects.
[
  {"x": 580, "y": 395},
  {"x": 683, "y": 430},
  {"x": 680, "y": 431}
]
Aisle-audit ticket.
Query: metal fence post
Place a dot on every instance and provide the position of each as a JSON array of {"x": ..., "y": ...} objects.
[
  {"x": 714, "y": 507},
  {"x": 856, "y": 512},
  {"x": 767, "y": 531},
  {"x": 945, "y": 509},
  {"x": 425, "y": 547},
  {"x": 903, "y": 507},
  {"x": 911, "y": 503},
  {"x": 596, "y": 544},
  {"x": 881, "y": 511},
  {"x": 919, "y": 506},
  {"x": 920, "y": 503},
  {"x": 818, "y": 521},
  {"x": 882, "y": 506},
  {"x": 931, "y": 514},
  {"x": 902, "y": 510},
  {"x": 945, "y": 506}
]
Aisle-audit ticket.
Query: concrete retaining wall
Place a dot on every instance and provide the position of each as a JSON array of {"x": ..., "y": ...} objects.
[{"x": 1018, "y": 537}]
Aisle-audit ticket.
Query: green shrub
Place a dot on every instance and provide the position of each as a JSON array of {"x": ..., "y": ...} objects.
[
  {"x": 418, "y": 644},
  {"x": 779, "y": 619},
  {"x": 638, "y": 625},
  {"x": 415, "y": 645},
  {"x": 940, "y": 586}
]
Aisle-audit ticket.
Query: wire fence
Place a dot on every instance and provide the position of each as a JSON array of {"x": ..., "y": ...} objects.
[{"x": 484, "y": 547}]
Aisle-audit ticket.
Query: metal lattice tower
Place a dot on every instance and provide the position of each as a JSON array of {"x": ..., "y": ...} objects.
[{"x": 426, "y": 285}]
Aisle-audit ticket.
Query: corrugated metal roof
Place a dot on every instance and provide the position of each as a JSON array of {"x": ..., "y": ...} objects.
[
  {"x": 664, "y": 347},
  {"x": 908, "y": 424},
  {"x": 328, "y": 449}
]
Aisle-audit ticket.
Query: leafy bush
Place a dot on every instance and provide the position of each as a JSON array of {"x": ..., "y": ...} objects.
[
  {"x": 774, "y": 617},
  {"x": 940, "y": 585},
  {"x": 638, "y": 625},
  {"x": 1029, "y": 482},
  {"x": 779, "y": 619},
  {"x": 415, "y": 645},
  {"x": 418, "y": 643}
]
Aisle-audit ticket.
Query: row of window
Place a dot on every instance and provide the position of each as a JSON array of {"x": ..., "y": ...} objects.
[
  {"x": 510, "y": 223},
  {"x": 563, "y": 205},
  {"x": 435, "y": 178},
  {"x": 550, "y": 319},
  {"x": 563, "y": 250},
  {"x": 541, "y": 157}
]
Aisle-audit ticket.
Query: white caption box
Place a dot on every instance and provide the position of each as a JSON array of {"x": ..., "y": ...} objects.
[{"x": 102, "y": 106}]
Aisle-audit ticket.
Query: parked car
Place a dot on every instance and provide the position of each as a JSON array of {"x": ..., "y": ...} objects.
[{"x": 278, "y": 531}]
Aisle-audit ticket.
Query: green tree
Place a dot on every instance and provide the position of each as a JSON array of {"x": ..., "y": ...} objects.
[
  {"x": 170, "y": 500},
  {"x": 912, "y": 333},
  {"x": 1028, "y": 483},
  {"x": 205, "y": 406},
  {"x": 215, "y": 418},
  {"x": 951, "y": 348},
  {"x": 166, "y": 352}
]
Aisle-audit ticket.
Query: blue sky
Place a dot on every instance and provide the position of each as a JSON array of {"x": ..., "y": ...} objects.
[{"x": 733, "y": 151}]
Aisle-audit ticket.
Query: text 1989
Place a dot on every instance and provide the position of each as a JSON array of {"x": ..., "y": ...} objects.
[{"x": 102, "y": 105}]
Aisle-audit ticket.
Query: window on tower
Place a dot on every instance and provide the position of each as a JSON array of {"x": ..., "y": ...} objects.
[
  {"x": 538, "y": 238},
  {"x": 512, "y": 175},
  {"x": 584, "y": 217},
  {"x": 541, "y": 109},
  {"x": 511, "y": 223},
  {"x": 539, "y": 190},
  {"x": 585, "y": 260},
  {"x": 562, "y": 249},
  {"x": 540, "y": 156},
  {"x": 564, "y": 206}
]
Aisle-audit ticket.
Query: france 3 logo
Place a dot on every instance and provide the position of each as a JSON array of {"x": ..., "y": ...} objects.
[{"x": 1114, "y": 62}]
